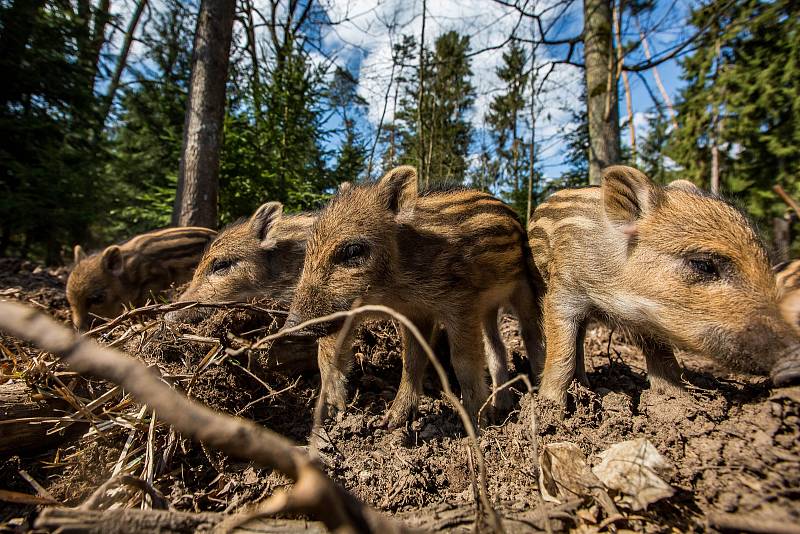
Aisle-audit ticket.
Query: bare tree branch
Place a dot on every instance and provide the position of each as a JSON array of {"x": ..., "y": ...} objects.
[
  {"x": 122, "y": 61},
  {"x": 314, "y": 493}
]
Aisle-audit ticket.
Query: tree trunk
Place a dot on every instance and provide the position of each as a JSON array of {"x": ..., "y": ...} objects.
[
  {"x": 122, "y": 62},
  {"x": 198, "y": 176},
  {"x": 657, "y": 76},
  {"x": 601, "y": 87},
  {"x": 420, "y": 99},
  {"x": 625, "y": 83},
  {"x": 781, "y": 238}
]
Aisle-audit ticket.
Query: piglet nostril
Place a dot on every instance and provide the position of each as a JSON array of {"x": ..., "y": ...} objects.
[{"x": 786, "y": 371}]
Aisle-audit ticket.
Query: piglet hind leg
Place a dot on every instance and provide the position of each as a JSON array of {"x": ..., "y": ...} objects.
[
  {"x": 580, "y": 356},
  {"x": 414, "y": 363},
  {"x": 561, "y": 325},
  {"x": 468, "y": 359},
  {"x": 663, "y": 369},
  {"x": 528, "y": 308},
  {"x": 497, "y": 360}
]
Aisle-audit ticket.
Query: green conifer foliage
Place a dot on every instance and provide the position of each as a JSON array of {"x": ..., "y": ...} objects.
[
  {"x": 743, "y": 90},
  {"x": 447, "y": 104}
]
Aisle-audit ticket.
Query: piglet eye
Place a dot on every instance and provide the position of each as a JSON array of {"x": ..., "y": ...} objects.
[
  {"x": 222, "y": 266},
  {"x": 352, "y": 254},
  {"x": 705, "y": 268}
]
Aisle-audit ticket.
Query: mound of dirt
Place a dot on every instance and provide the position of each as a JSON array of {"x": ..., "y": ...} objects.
[{"x": 41, "y": 286}]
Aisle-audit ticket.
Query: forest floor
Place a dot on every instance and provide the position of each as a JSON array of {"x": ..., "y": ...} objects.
[{"x": 732, "y": 441}]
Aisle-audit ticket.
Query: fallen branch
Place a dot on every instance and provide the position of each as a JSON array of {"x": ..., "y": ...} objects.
[
  {"x": 24, "y": 422},
  {"x": 313, "y": 493},
  {"x": 440, "y": 372},
  {"x": 750, "y": 523}
]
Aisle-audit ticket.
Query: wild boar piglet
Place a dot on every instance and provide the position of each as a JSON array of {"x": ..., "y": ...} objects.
[
  {"x": 787, "y": 276},
  {"x": 259, "y": 257},
  {"x": 133, "y": 271},
  {"x": 448, "y": 258},
  {"x": 675, "y": 266}
]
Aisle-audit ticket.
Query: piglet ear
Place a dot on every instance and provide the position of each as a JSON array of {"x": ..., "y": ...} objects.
[
  {"x": 78, "y": 255},
  {"x": 344, "y": 187},
  {"x": 112, "y": 260},
  {"x": 263, "y": 221},
  {"x": 398, "y": 188},
  {"x": 628, "y": 195},
  {"x": 684, "y": 185}
]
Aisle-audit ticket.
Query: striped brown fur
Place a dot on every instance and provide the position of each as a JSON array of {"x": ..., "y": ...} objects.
[
  {"x": 787, "y": 276},
  {"x": 677, "y": 267},
  {"x": 258, "y": 257},
  {"x": 440, "y": 258},
  {"x": 131, "y": 272}
]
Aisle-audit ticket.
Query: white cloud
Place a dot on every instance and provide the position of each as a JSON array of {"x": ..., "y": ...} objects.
[{"x": 368, "y": 31}]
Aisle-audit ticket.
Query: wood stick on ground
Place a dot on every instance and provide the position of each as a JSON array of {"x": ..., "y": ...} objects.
[
  {"x": 749, "y": 523},
  {"x": 24, "y": 422},
  {"x": 133, "y": 521},
  {"x": 375, "y": 309},
  {"x": 313, "y": 493}
]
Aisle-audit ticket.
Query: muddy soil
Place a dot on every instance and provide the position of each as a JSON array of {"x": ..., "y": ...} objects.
[{"x": 733, "y": 441}]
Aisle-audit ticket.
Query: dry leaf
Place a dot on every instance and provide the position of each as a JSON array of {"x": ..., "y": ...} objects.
[
  {"x": 565, "y": 473},
  {"x": 635, "y": 470}
]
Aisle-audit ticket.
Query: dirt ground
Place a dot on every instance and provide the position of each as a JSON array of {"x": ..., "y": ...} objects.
[{"x": 734, "y": 442}]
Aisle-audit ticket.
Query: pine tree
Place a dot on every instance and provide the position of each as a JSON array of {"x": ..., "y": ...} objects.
[
  {"x": 505, "y": 117},
  {"x": 403, "y": 54},
  {"x": 351, "y": 157},
  {"x": 448, "y": 99},
  {"x": 742, "y": 94},
  {"x": 146, "y": 140},
  {"x": 652, "y": 149},
  {"x": 577, "y": 144},
  {"x": 50, "y": 156}
]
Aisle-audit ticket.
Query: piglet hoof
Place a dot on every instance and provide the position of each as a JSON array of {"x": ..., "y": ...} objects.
[
  {"x": 583, "y": 379},
  {"x": 327, "y": 411},
  {"x": 786, "y": 372},
  {"x": 322, "y": 449},
  {"x": 395, "y": 418}
]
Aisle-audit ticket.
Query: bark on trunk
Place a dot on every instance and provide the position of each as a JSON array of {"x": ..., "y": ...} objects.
[
  {"x": 198, "y": 176},
  {"x": 23, "y": 430},
  {"x": 781, "y": 239},
  {"x": 601, "y": 87},
  {"x": 27, "y": 436}
]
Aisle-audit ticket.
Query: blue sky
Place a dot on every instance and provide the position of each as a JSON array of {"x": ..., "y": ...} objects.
[
  {"x": 363, "y": 44},
  {"x": 364, "y": 31}
]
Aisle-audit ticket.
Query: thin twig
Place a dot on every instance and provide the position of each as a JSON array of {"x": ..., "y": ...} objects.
[
  {"x": 440, "y": 372},
  {"x": 38, "y": 487},
  {"x": 155, "y": 309},
  {"x": 96, "y": 498},
  {"x": 750, "y": 523},
  {"x": 313, "y": 493}
]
